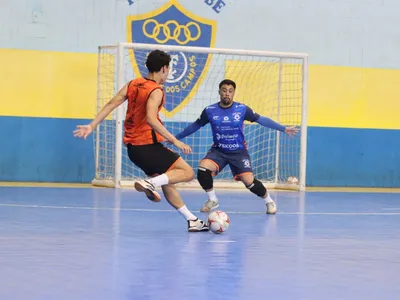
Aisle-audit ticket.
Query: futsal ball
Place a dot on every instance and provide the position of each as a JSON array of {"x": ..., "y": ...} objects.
[
  {"x": 218, "y": 221},
  {"x": 293, "y": 179}
]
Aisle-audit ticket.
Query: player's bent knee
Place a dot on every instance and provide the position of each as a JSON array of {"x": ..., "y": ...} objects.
[
  {"x": 257, "y": 188},
  {"x": 188, "y": 170},
  {"x": 190, "y": 175},
  {"x": 204, "y": 176}
]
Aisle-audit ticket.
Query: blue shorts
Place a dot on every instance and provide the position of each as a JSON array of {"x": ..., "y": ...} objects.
[{"x": 239, "y": 162}]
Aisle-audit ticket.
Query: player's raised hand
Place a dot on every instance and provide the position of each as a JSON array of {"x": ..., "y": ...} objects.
[
  {"x": 291, "y": 131},
  {"x": 185, "y": 148},
  {"x": 83, "y": 131}
]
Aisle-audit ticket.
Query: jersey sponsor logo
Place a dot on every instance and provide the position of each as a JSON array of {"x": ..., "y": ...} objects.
[
  {"x": 226, "y": 119},
  {"x": 228, "y": 146},
  {"x": 172, "y": 24},
  {"x": 226, "y": 136}
]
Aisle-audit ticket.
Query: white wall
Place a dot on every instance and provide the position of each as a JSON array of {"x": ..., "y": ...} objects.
[{"x": 335, "y": 32}]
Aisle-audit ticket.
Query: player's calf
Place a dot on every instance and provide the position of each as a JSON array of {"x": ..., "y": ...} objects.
[
  {"x": 204, "y": 176},
  {"x": 259, "y": 189}
]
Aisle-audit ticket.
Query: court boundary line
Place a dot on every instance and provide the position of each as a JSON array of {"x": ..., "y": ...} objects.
[
  {"x": 172, "y": 210},
  {"x": 394, "y": 190}
]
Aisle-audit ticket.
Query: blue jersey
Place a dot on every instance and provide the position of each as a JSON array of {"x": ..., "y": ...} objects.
[{"x": 227, "y": 125}]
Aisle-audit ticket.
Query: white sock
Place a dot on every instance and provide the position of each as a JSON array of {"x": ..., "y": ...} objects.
[
  {"x": 268, "y": 199},
  {"x": 159, "y": 180},
  {"x": 186, "y": 213},
  {"x": 212, "y": 196}
]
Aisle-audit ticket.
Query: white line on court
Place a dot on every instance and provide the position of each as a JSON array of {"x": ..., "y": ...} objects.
[
  {"x": 228, "y": 212},
  {"x": 217, "y": 241}
]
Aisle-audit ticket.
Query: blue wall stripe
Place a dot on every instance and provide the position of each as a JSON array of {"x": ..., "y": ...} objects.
[
  {"x": 44, "y": 149},
  {"x": 353, "y": 157}
]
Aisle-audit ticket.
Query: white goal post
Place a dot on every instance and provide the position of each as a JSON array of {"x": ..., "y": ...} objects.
[{"x": 273, "y": 84}]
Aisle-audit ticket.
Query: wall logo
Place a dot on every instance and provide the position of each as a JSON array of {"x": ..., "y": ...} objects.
[{"x": 172, "y": 24}]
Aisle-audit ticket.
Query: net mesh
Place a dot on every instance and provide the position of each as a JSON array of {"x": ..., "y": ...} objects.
[{"x": 271, "y": 86}]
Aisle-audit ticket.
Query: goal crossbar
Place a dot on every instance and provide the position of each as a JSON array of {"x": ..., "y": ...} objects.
[
  {"x": 206, "y": 50},
  {"x": 119, "y": 56}
]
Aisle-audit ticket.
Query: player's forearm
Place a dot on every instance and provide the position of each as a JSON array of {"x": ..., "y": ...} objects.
[
  {"x": 160, "y": 129},
  {"x": 192, "y": 128},
  {"x": 105, "y": 111},
  {"x": 267, "y": 122},
  {"x": 116, "y": 101}
]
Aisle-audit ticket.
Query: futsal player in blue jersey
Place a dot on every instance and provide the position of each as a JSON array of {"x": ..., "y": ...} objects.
[{"x": 229, "y": 148}]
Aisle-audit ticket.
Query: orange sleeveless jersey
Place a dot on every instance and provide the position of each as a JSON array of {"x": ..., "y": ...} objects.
[{"x": 137, "y": 131}]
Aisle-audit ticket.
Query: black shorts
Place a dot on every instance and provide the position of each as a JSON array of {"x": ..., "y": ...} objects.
[{"x": 153, "y": 159}]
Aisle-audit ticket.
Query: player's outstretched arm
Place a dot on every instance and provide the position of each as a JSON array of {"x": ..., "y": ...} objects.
[
  {"x": 83, "y": 131},
  {"x": 192, "y": 128},
  {"x": 252, "y": 116},
  {"x": 153, "y": 103},
  {"x": 267, "y": 122}
]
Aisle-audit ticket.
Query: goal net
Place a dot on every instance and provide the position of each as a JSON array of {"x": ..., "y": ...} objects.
[{"x": 273, "y": 84}]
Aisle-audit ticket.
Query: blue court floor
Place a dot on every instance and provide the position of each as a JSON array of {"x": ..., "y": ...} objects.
[{"x": 94, "y": 243}]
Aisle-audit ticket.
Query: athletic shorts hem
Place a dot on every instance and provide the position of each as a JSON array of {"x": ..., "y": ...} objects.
[{"x": 152, "y": 159}]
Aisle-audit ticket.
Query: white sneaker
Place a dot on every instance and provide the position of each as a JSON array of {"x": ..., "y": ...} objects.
[
  {"x": 149, "y": 189},
  {"x": 209, "y": 206},
  {"x": 197, "y": 226},
  {"x": 271, "y": 208}
]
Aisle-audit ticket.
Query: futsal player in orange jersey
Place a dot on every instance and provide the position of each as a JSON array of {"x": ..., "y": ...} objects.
[{"x": 143, "y": 134}]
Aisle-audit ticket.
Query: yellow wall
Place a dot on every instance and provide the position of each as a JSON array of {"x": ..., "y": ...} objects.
[
  {"x": 338, "y": 96},
  {"x": 47, "y": 84},
  {"x": 354, "y": 97},
  {"x": 63, "y": 85}
]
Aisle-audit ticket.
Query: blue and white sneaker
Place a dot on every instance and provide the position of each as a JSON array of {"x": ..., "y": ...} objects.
[
  {"x": 149, "y": 189},
  {"x": 197, "y": 225},
  {"x": 209, "y": 206}
]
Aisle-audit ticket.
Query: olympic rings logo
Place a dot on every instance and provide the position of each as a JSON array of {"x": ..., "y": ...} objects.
[{"x": 171, "y": 30}]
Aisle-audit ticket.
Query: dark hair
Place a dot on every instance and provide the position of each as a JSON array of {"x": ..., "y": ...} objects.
[
  {"x": 156, "y": 60},
  {"x": 227, "y": 82}
]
